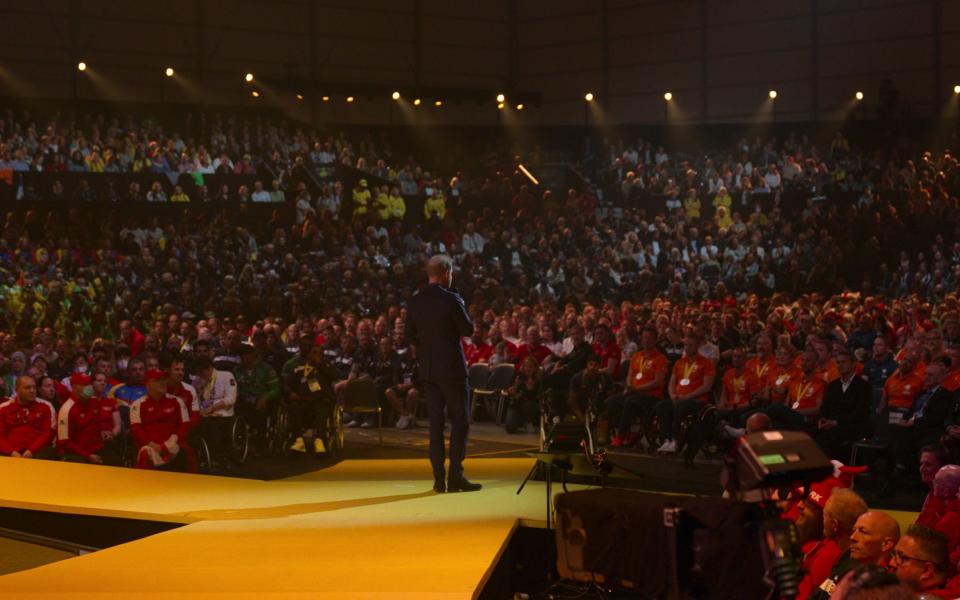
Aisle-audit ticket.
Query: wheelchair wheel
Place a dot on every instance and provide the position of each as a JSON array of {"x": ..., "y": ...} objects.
[
  {"x": 335, "y": 435},
  {"x": 239, "y": 440},
  {"x": 277, "y": 432},
  {"x": 204, "y": 460}
]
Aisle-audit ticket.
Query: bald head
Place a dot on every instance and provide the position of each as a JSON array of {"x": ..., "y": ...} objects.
[
  {"x": 758, "y": 422},
  {"x": 946, "y": 482},
  {"x": 874, "y": 537}
]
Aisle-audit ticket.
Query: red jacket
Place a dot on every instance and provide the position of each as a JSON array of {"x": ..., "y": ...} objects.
[
  {"x": 932, "y": 511},
  {"x": 188, "y": 395},
  {"x": 106, "y": 408},
  {"x": 949, "y": 525},
  {"x": 818, "y": 563},
  {"x": 25, "y": 428},
  {"x": 78, "y": 428},
  {"x": 158, "y": 420}
]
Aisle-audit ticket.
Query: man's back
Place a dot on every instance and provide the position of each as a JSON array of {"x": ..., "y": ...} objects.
[{"x": 436, "y": 319}]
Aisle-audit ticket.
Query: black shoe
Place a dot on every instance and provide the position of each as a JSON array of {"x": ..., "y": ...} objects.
[
  {"x": 463, "y": 485},
  {"x": 438, "y": 486}
]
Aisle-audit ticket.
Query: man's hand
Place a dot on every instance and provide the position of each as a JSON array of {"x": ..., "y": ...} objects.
[
  {"x": 15, "y": 454},
  {"x": 106, "y": 435},
  {"x": 155, "y": 446},
  {"x": 27, "y": 454},
  {"x": 95, "y": 459}
]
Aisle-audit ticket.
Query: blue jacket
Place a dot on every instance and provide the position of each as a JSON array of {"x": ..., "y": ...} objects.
[{"x": 436, "y": 320}]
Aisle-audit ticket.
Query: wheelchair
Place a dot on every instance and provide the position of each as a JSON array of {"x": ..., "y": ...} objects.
[
  {"x": 237, "y": 438},
  {"x": 281, "y": 437}
]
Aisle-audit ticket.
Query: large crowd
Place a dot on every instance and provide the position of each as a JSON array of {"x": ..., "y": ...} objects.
[{"x": 786, "y": 282}]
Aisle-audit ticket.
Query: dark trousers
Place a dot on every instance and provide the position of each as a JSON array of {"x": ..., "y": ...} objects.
[
  {"x": 784, "y": 417},
  {"x": 671, "y": 414},
  {"x": 623, "y": 409},
  {"x": 522, "y": 412},
  {"x": 216, "y": 432},
  {"x": 448, "y": 395}
]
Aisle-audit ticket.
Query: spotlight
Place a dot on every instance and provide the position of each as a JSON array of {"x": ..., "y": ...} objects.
[
  {"x": 956, "y": 89},
  {"x": 588, "y": 97},
  {"x": 169, "y": 72},
  {"x": 438, "y": 103},
  {"x": 416, "y": 102},
  {"x": 81, "y": 66},
  {"x": 255, "y": 94},
  {"x": 501, "y": 98},
  {"x": 520, "y": 106},
  {"x": 325, "y": 98},
  {"x": 395, "y": 95},
  {"x": 668, "y": 96},
  {"x": 500, "y": 106},
  {"x": 299, "y": 96},
  {"x": 248, "y": 77},
  {"x": 349, "y": 99},
  {"x": 859, "y": 95},
  {"x": 772, "y": 94}
]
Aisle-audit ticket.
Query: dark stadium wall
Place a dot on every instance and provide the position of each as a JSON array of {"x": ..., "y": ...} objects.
[{"x": 718, "y": 57}]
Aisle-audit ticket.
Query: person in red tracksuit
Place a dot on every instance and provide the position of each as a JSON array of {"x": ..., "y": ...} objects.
[
  {"x": 78, "y": 425},
  {"x": 158, "y": 423},
  {"x": 26, "y": 423},
  {"x": 188, "y": 395}
]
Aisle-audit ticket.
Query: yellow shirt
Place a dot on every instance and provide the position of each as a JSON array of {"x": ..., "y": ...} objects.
[
  {"x": 181, "y": 197},
  {"x": 361, "y": 198},
  {"x": 398, "y": 208},
  {"x": 692, "y": 207},
  {"x": 435, "y": 207}
]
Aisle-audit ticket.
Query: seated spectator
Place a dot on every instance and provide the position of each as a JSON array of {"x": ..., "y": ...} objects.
[
  {"x": 217, "y": 396},
  {"x": 158, "y": 425},
  {"x": 934, "y": 507},
  {"x": 845, "y": 412},
  {"x": 921, "y": 560},
  {"x": 524, "y": 396},
  {"x": 804, "y": 397},
  {"x": 27, "y": 423},
  {"x": 740, "y": 389},
  {"x": 688, "y": 390},
  {"x": 404, "y": 397},
  {"x": 532, "y": 346},
  {"x": 588, "y": 389},
  {"x": 875, "y": 534},
  {"x": 258, "y": 391},
  {"x": 836, "y": 510},
  {"x": 79, "y": 436},
  {"x": 923, "y": 423},
  {"x": 310, "y": 399},
  {"x": 642, "y": 392}
]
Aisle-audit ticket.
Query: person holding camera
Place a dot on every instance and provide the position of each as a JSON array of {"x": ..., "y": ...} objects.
[{"x": 523, "y": 404}]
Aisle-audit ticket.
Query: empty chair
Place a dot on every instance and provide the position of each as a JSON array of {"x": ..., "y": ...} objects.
[{"x": 361, "y": 397}]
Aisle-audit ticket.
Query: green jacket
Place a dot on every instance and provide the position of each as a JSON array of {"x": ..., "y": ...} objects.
[{"x": 259, "y": 381}]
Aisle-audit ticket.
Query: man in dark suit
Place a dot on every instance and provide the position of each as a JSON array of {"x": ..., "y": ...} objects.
[
  {"x": 436, "y": 320},
  {"x": 927, "y": 418},
  {"x": 845, "y": 412}
]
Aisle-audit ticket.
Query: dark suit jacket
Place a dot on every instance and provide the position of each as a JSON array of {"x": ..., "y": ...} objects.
[
  {"x": 850, "y": 409},
  {"x": 436, "y": 320},
  {"x": 936, "y": 411}
]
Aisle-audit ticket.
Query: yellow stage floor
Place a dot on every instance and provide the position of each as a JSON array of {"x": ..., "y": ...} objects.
[{"x": 360, "y": 529}]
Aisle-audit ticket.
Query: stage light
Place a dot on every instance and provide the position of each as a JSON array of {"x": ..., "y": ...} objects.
[
  {"x": 325, "y": 98},
  {"x": 169, "y": 72},
  {"x": 668, "y": 96},
  {"x": 248, "y": 78},
  {"x": 520, "y": 106},
  {"x": 588, "y": 97},
  {"x": 349, "y": 99},
  {"x": 501, "y": 98},
  {"x": 299, "y": 96},
  {"x": 500, "y": 106},
  {"x": 859, "y": 95},
  {"x": 772, "y": 94},
  {"x": 255, "y": 94},
  {"x": 416, "y": 102},
  {"x": 81, "y": 66},
  {"x": 438, "y": 103},
  {"x": 396, "y": 95},
  {"x": 956, "y": 89}
]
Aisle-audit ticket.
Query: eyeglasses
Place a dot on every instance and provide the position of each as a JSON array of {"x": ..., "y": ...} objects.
[{"x": 900, "y": 557}]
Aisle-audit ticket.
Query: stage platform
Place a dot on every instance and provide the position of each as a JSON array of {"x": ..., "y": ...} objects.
[{"x": 359, "y": 529}]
